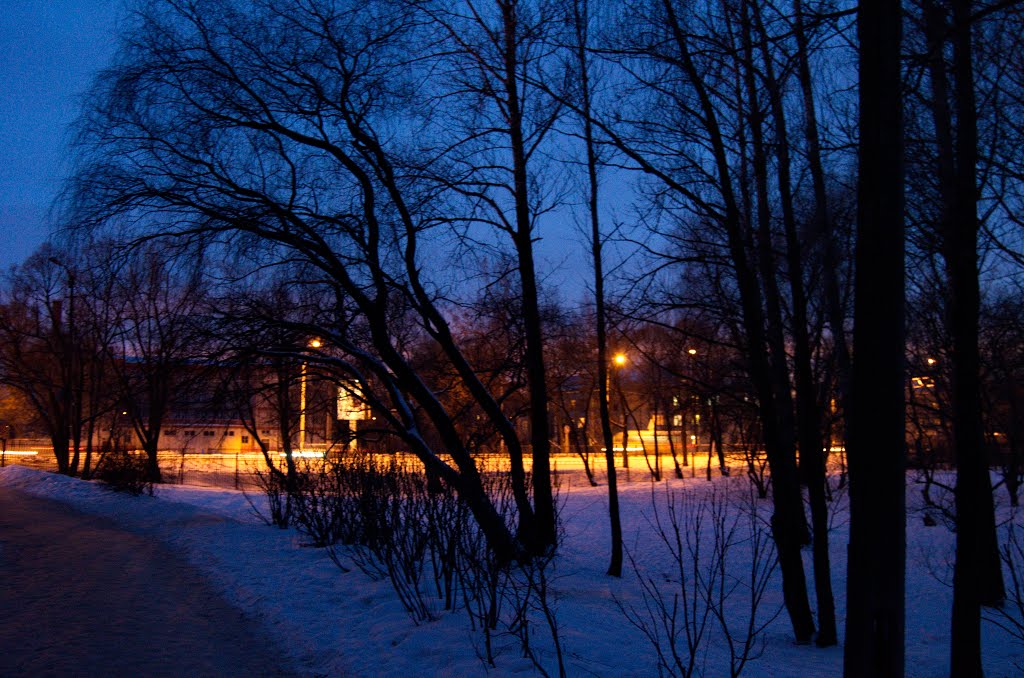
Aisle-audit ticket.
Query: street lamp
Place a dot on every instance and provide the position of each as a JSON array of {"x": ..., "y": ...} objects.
[
  {"x": 313, "y": 343},
  {"x": 620, "y": 360}
]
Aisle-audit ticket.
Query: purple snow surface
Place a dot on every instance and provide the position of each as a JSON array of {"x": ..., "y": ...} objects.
[
  {"x": 82, "y": 596},
  {"x": 334, "y": 623}
]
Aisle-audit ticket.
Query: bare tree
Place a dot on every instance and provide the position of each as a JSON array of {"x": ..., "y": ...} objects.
[
  {"x": 582, "y": 17},
  {"x": 272, "y": 131},
  {"x": 1002, "y": 352},
  {"x": 876, "y": 438},
  {"x": 492, "y": 52},
  {"x": 46, "y": 352},
  {"x": 163, "y": 303},
  {"x": 681, "y": 130}
]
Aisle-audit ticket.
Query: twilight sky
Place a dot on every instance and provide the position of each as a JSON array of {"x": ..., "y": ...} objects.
[{"x": 49, "y": 51}]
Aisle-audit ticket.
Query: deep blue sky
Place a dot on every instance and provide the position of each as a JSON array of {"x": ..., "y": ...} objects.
[{"x": 49, "y": 52}]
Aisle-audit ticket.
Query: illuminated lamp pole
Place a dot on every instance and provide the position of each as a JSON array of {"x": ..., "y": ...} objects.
[
  {"x": 313, "y": 343},
  {"x": 619, "y": 360},
  {"x": 696, "y": 425}
]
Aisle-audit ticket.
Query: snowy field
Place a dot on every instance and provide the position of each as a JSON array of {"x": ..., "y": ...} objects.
[{"x": 339, "y": 623}]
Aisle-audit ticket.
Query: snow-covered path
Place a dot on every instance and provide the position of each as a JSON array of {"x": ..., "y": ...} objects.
[{"x": 80, "y": 595}]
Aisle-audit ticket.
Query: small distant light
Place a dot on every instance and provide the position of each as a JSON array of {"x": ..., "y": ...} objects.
[
  {"x": 620, "y": 358},
  {"x": 315, "y": 343},
  {"x": 692, "y": 351},
  {"x": 932, "y": 361}
]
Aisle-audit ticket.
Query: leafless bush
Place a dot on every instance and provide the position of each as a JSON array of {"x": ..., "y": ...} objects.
[
  {"x": 938, "y": 495},
  {"x": 1010, "y": 617},
  {"x": 273, "y": 485},
  {"x": 122, "y": 471},
  {"x": 410, "y": 532},
  {"x": 506, "y": 601},
  {"x": 757, "y": 468},
  {"x": 325, "y": 501},
  {"x": 396, "y": 525},
  {"x": 530, "y": 599},
  {"x": 722, "y": 561},
  {"x": 483, "y": 577}
]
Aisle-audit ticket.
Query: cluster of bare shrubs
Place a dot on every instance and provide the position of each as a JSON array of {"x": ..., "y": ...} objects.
[
  {"x": 122, "y": 471},
  {"x": 394, "y": 523},
  {"x": 720, "y": 562}
]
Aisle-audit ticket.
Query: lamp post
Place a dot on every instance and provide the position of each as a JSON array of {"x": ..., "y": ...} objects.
[
  {"x": 619, "y": 360},
  {"x": 313, "y": 343},
  {"x": 692, "y": 438}
]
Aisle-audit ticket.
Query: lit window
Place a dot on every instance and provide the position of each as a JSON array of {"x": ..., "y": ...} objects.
[{"x": 922, "y": 382}]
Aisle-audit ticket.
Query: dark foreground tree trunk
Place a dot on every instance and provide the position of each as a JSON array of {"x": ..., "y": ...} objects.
[
  {"x": 977, "y": 574},
  {"x": 877, "y": 548}
]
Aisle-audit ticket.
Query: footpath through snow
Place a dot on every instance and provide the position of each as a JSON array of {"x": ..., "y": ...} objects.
[{"x": 82, "y": 596}]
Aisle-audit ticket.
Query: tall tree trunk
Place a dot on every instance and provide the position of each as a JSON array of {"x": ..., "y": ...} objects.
[
  {"x": 581, "y": 16},
  {"x": 544, "y": 530},
  {"x": 809, "y": 419},
  {"x": 977, "y": 573},
  {"x": 789, "y": 529},
  {"x": 877, "y": 549},
  {"x": 823, "y": 226}
]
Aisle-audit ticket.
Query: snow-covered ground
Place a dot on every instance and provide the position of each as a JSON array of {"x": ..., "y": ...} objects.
[{"x": 344, "y": 623}]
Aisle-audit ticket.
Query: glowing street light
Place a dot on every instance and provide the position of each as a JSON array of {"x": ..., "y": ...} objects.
[
  {"x": 691, "y": 351},
  {"x": 619, "y": 360}
]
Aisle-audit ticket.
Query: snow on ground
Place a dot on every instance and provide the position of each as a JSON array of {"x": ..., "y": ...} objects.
[{"x": 343, "y": 623}]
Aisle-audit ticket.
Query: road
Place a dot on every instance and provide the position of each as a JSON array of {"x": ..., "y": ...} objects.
[{"x": 84, "y": 597}]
